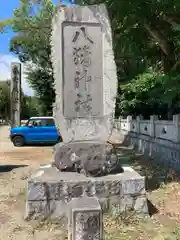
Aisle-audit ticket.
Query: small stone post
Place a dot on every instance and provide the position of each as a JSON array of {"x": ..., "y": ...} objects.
[
  {"x": 129, "y": 119},
  {"x": 85, "y": 220},
  {"x": 138, "y": 119},
  {"x": 119, "y": 123},
  {"x": 153, "y": 118},
  {"x": 176, "y": 121}
]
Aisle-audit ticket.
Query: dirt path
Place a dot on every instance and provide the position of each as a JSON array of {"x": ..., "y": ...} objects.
[{"x": 16, "y": 164}]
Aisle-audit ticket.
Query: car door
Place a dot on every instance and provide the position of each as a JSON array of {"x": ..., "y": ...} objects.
[
  {"x": 49, "y": 131},
  {"x": 34, "y": 133}
]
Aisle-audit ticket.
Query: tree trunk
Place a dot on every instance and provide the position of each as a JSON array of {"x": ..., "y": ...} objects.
[
  {"x": 173, "y": 19},
  {"x": 168, "y": 62},
  {"x": 167, "y": 47}
]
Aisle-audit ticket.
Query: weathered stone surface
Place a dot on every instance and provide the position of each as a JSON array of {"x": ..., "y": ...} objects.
[
  {"x": 15, "y": 93},
  {"x": 93, "y": 157},
  {"x": 87, "y": 151},
  {"x": 85, "y": 220},
  {"x": 42, "y": 209},
  {"x": 128, "y": 204},
  {"x": 141, "y": 206},
  {"x": 138, "y": 203},
  {"x": 49, "y": 190},
  {"x": 52, "y": 184},
  {"x": 133, "y": 186},
  {"x": 85, "y": 96}
]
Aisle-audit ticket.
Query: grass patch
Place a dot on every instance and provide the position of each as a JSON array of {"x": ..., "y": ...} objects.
[
  {"x": 138, "y": 228},
  {"x": 162, "y": 193},
  {"x": 58, "y": 226}
]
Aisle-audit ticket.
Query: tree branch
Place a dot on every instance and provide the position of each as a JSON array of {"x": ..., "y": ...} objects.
[
  {"x": 172, "y": 19},
  {"x": 160, "y": 38}
]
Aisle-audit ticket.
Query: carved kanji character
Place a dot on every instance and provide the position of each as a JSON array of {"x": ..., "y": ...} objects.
[{"x": 85, "y": 34}]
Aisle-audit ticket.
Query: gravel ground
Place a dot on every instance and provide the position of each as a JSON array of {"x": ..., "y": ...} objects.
[{"x": 16, "y": 164}]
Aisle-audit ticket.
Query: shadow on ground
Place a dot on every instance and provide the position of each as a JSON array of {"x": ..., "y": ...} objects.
[
  {"x": 151, "y": 209},
  {"x": 155, "y": 172},
  {"x": 40, "y": 145},
  {"x": 145, "y": 167},
  {"x": 8, "y": 168}
]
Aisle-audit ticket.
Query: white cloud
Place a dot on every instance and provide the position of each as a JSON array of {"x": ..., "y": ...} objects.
[{"x": 5, "y": 72}]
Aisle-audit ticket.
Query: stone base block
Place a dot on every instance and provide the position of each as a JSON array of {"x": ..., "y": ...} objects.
[
  {"x": 85, "y": 220},
  {"x": 50, "y": 192}
]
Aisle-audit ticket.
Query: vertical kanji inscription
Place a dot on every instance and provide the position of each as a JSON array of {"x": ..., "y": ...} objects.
[{"x": 81, "y": 77}]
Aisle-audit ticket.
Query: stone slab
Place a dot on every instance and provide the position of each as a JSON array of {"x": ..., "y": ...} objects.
[
  {"x": 85, "y": 95},
  {"x": 85, "y": 220},
  {"x": 50, "y": 191}
]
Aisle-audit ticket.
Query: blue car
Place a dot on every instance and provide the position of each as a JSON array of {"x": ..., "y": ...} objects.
[{"x": 36, "y": 131}]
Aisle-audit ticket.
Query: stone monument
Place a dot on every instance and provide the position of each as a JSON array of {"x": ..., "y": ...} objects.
[
  {"x": 86, "y": 88},
  {"x": 15, "y": 93},
  {"x": 85, "y": 164}
]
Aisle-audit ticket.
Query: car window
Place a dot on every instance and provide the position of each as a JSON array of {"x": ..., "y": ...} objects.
[
  {"x": 41, "y": 122},
  {"x": 35, "y": 122},
  {"x": 48, "y": 122}
]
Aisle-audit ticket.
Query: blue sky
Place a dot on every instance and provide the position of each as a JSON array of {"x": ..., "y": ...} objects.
[{"x": 6, "y": 57}]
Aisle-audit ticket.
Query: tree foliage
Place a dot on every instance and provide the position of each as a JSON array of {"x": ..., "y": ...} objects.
[
  {"x": 145, "y": 36},
  {"x": 29, "y": 105},
  {"x": 32, "y": 24},
  {"x": 4, "y": 100},
  {"x": 148, "y": 29},
  {"x": 145, "y": 28},
  {"x": 150, "y": 93}
]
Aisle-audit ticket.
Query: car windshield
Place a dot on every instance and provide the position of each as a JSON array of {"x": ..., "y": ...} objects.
[{"x": 40, "y": 122}]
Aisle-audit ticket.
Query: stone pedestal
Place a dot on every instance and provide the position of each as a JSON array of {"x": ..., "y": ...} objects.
[{"x": 50, "y": 192}]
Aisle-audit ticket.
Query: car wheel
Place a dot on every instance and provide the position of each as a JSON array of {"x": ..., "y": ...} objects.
[{"x": 18, "y": 141}]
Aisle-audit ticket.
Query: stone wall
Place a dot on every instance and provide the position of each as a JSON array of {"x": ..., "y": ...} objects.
[{"x": 157, "y": 138}]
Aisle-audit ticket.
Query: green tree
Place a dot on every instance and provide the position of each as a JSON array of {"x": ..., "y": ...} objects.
[
  {"x": 148, "y": 29},
  {"x": 150, "y": 93},
  {"x": 32, "y": 24},
  {"x": 30, "y": 107},
  {"x": 4, "y": 100},
  {"x": 145, "y": 34},
  {"x": 145, "y": 28}
]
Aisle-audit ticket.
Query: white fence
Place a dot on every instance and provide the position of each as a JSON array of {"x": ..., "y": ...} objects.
[{"x": 160, "y": 129}]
